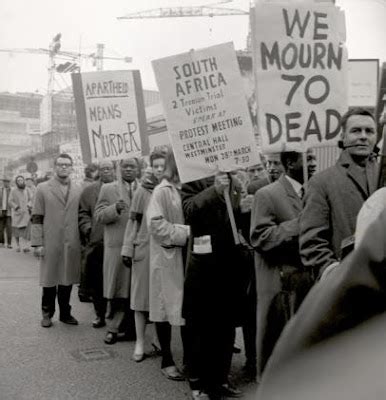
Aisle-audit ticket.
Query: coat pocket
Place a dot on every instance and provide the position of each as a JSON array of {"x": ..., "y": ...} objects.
[{"x": 141, "y": 249}]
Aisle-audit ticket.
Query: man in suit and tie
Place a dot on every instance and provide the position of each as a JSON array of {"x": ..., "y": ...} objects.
[
  {"x": 281, "y": 279},
  {"x": 5, "y": 214},
  {"x": 335, "y": 196}
]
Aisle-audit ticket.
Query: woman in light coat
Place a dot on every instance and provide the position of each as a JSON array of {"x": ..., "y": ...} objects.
[
  {"x": 168, "y": 236},
  {"x": 21, "y": 205},
  {"x": 135, "y": 250}
]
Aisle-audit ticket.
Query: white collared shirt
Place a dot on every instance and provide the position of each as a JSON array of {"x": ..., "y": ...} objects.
[{"x": 298, "y": 187}]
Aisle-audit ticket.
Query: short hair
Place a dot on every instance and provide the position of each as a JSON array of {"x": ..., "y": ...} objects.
[
  {"x": 157, "y": 154},
  {"x": 63, "y": 155},
  {"x": 354, "y": 111},
  {"x": 90, "y": 168},
  {"x": 171, "y": 171},
  {"x": 19, "y": 176},
  {"x": 287, "y": 156}
]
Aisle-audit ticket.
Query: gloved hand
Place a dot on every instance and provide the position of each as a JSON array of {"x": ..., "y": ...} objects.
[{"x": 127, "y": 261}]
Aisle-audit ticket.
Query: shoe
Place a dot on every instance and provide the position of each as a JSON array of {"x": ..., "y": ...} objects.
[
  {"x": 110, "y": 338},
  {"x": 199, "y": 395},
  {"x": 83, "y": 298},
  {"x": 26, "y": 250},
  {"x": 70, "y": 320},
  {"x": 156, "y": 352},
  {"x": 9, "y": 246},
  {"x": 138, "y": 357},
  {"x": 173, "y": 373},
  {"x": 18, "y": 250},
  {"x": 98, "y": 322},
  {"x": 127, "y": 337},
  {"x": 46, "y": 322},
  {"x": 227, "y": 390}
]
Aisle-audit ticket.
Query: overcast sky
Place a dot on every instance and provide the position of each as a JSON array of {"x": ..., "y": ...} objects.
[{"x": 83, "y": 23}]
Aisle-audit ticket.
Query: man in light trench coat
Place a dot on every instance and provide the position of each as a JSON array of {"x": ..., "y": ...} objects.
[
  {"x": 55, "y": 236},
  {"x": 112, "y": 211}
]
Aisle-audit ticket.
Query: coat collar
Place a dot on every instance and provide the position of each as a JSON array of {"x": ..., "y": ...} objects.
[
  {"x": 367, "y": 182},
  {"x": 293, "y": 196}
]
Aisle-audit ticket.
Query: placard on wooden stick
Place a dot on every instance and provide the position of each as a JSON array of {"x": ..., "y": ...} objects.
[
  {"x": 206, "y": 111},
  {"x": 110, "y": 115},
  {"x": 301, "y": 71}
]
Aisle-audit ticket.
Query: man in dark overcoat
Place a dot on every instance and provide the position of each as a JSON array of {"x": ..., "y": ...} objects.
[
  {"x": 281, "y": 280},
  {"x": 91, "y": 233},
  {"x": 335, "y": 196},
  {"x": 212, "y": 292}
]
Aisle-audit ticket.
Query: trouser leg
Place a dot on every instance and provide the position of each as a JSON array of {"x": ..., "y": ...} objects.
[
  {"x": 94, "y": 278},
  {"x": 117, "y": 315},
  {"x": 64, "y": 294},
  {"x": 195, "y": 360},
  {"x": 164, "y": 333},
  {"x": 48, "y": 301},
  {"x": 8, "y": 229},
  {"x": 2, "y": 229},
  {"x": 249, "y": 329}
]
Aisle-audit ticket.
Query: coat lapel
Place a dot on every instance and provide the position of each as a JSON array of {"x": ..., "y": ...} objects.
[
  {"x": 292, "y": 195},
  {"x": 354, "y": 172},
  {"x": 54, "y": 184}
]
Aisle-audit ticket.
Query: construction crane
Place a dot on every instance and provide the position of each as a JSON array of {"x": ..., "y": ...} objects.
[
  {"x": 208, "y": 10},
  {"x": 177, "y": 12}
]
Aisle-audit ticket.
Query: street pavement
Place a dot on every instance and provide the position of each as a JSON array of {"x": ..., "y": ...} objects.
[{"x": 72, "y": 362}]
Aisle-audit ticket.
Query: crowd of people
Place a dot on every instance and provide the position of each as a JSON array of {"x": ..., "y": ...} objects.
[{"x": 151, "y": 249}]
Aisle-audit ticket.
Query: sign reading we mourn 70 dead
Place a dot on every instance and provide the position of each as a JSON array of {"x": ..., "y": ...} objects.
[
  {"x": 206, "y": 111},
  {"x": 110, "y": 114},
  {"x": 301, "y": 74}
]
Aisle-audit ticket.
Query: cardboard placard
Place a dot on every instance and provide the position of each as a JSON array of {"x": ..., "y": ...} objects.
[
  {"x": 301, "y": 74},
  {"x": 110, "y": 114},
  {"x": 206, "y": 111}
]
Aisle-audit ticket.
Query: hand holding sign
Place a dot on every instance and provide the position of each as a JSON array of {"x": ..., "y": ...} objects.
[{"x": 221, "y": 183}]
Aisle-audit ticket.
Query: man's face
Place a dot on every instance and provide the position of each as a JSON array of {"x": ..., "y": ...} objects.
[
  {"x": 6, "y": 184},
  {"x": 274, "y": 166},
  {"x": 129, "y": 170},
  {"x": 63, "y": 167},
  {"x": 158, "y": 167},
  {"x": 20, "y": 183},
  {"x": 256, "y": 172},
  {"x": 106, "y": 172},
  {"x": 28, "y": 183},
  {"x": 360, "y": 135},
  {"x": 311, "y": 163}
]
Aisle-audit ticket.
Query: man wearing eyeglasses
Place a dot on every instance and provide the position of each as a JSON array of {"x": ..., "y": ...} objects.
[{"x": 55, "y": 236}]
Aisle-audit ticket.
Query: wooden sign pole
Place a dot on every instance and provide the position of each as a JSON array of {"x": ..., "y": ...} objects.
[{"x": 230, "y": 213}]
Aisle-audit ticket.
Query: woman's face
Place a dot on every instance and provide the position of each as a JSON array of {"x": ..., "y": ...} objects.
[{"x": 158, "y": 167}]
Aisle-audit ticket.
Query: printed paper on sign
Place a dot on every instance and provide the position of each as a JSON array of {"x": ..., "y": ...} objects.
[
  {"x": 301, "y": 74},
  {"x": 110, "y": 114},
  {"x": 206, "y": 111}
]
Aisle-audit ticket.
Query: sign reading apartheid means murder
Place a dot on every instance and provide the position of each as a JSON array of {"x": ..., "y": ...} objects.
[
  {"x": 110, "y": 115},
  {"x": 301, "y": 74},
  {"x": 206, "y": 111}
]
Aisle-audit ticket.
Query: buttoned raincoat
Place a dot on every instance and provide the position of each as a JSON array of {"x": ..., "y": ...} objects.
[{"x": 55, "y": 226}]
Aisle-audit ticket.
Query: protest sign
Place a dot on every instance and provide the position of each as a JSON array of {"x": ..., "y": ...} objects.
[
  {"x": 206, "y": 111},
  {"x": 110, "y": 114},
  {"x": 301, "y": 74}
]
